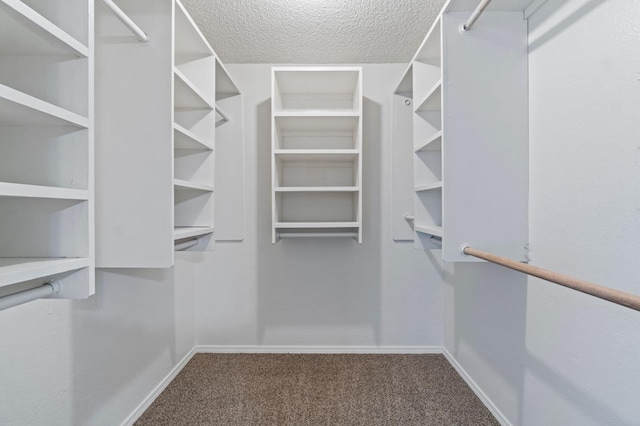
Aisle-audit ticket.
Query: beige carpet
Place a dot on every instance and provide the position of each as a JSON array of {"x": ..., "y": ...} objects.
[{"x": 283, "y": 389}]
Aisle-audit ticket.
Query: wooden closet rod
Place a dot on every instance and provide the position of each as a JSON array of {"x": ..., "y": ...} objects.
[
  {"x": 612, "y": 295},
  {"x": 141, "y": 35},
  {"x": 475, "y": 15}
]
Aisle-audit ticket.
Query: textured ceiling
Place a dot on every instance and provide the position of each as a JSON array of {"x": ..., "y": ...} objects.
[{"x": 314, "y": 31}]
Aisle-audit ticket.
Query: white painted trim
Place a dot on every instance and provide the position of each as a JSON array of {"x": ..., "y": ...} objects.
[
  {"x": 320, "y": 349},
  {"x": 476, "y": 389},
  {"x": 141, "y": 408}
]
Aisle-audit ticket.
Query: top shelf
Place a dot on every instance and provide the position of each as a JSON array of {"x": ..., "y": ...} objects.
[
  {"x": 317, "y": 89},
  {"x": 23, "y": 31},
  {"x": 189, "y": 41},
  {"x": 225, "y": 86},
  {"x": 429, "y": 51}
]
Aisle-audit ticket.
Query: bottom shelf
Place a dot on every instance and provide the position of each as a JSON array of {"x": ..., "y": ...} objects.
[
  {"x": 182, "y": 232},
  {"x": 436, "y": 231},
  {"x": 317, "y": 230},
  {"x": 15, "y": 270}
]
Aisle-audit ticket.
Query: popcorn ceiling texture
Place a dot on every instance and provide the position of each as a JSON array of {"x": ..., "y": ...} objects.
[{"x": 314, "y": 31}]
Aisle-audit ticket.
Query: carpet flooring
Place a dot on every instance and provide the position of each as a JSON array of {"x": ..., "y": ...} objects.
[{"x": 305, "y": 389}]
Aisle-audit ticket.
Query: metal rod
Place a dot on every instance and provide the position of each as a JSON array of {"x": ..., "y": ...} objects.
[
  {"x": 25, "y": 296},
  {"x": 609, "y": 294},
  {"x": 436, "y": 240},
  {"x": 184, "y": 245},
  {"x": 141, "y": 35},
  {"x": 317, "y": 234},
  {"x": 475, "y": 15}
]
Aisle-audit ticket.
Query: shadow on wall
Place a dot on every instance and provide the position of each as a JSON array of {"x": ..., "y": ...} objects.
[
  {"x": 486, "y": 312},
  {"x": 320, "y": 291},
  {"x": 125, "y": 332},
  {"x": 550, "y": 8}
]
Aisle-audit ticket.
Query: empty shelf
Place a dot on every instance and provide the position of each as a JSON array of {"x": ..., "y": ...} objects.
[
  {"x": 320, "y": 155},
  {"x": 317, "y": 225},
  {"x": 436, "y": 231},
  {"x": 428, "y": 187},
  {"x": 185, "y": 139},
  {"x": 24, "y": 31},
  {"x": 15, "y": 270},
  {"x": 317, "y": 189},
  {"x": 35, "y": 191},
  {"x": 225, "y": 86},
  {"x": 18, "y": 108},
  {"x": 182, "y": 232},
  {"x": 432, "y": 100},
  {"x": 405, "y": 87},
  {"x": 434, "y": 143},
  {"x": 185, "y": 184},
  {"x": 317, "y": 113},
  {"x": 189, "y": 40},
  {"x": 187, "y": 95}
]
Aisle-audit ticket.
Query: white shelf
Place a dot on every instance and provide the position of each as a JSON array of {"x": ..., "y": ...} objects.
[
  {"x": 432, "y": 101},
  {"x": 187, "y": 95},
  {"x": 317, "y": 113},
  {"x": 188, "y": 38},
  {"x": 319, "y": 155},
  {"x": 429, "y": 230},
  {"x": 182, "y": 232},
  {"x": 433, "y": 143},
  {"x": 16, "y": 270},
  {"x": 428, "y": 187},
  {"x": 405, "y": 87},
  {"x": 316, "y": 150},
  {"x": 183, "y": 184},
  {"x": 225, "y": 86},
  {"x": 317, "y": 189},
  {"x": 23, "y": 31},
  {"x": 18, "y": 108},
  {"x": 459, "y": 139},
  {"x": 36, "y": 191},
  {"x": 316, "y": 225},
  {"x": 185, "y": 139},
  {"x": 221, "y": 116}
]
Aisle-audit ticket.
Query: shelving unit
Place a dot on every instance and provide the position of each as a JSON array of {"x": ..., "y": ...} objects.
[
  {"x": 317, "y": 152},
  {"x": 468, "y": 93},
  {"x": 46, "y": 155},
  {"x": 178, "y": 82}
]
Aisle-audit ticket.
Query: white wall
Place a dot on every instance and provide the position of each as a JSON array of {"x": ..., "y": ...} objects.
[
  {"x": 319, "y": 292},
  {"x": 91, "y": 362},
  {"x": 543, "y": 354}
]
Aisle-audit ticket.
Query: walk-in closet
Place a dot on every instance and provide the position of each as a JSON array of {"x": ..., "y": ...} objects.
[{"x": 305, "y": 212}]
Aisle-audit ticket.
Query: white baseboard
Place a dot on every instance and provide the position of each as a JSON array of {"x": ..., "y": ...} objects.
[
  {"x": 476, "y": 389},
  {"x": 158, "y": 389},
  {"x": 320, "y": 349}
]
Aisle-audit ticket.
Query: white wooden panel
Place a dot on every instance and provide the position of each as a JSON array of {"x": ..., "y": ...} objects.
[
  {"x": 134, "y": 223},
  {"x": 485, "y": 136},
  {"x": 402, "y": 168},
  {"x": 229, "y": 171}
]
